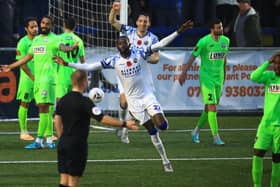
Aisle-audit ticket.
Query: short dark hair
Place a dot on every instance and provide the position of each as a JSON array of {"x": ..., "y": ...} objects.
[
  {"x": 244, "y": 1},
  {"x": 78, "y": 77},
  {"x": 70, "y": 23},
  {"x": 214, "y": 22},
  {"x": 48, "y": 17},
  {"x": 123, "y": 37},
  {"x": 27, "y": 20}
]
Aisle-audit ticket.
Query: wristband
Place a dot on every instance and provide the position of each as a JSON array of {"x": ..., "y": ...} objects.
[{"x": 124, "y": 124}]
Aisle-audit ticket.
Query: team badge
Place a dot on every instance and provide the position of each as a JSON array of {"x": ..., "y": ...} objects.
[
  {"x": 45, "y": 40},
  {"x": 96, "y": 111},
  {"x": 146, "y": 42},
  {"x": 224, "y": 45},
  {"x": 139, "y": 42},
  {"x": 129, "y": 63},
  {"x": 44, "y": 93},
  {"x": 135, "y": 60}
]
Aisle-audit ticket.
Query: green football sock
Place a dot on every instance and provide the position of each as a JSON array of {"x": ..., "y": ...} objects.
[
  {"x": 43, "y": 122},
  {"x": 49, "y": 128},
  {"x": 257, "y": 170},
  {"x": 213, "y": 123},
  {"x": 202, "y": 119},
  {"x": 22, "y": 115},
  {"x": 275, "y": 175}
]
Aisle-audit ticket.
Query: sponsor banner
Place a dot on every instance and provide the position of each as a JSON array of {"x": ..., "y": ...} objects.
[{"x": 239, "y": 92}]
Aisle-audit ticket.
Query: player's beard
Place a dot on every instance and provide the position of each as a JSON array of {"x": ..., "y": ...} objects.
[{"x": 45, "y": 31}]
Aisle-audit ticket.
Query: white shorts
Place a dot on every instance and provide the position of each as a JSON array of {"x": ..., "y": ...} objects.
[{"x": 142, "y": 109}]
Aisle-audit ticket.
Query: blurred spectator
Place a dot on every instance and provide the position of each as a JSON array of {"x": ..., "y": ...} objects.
[
  {"x": 226, "y": 11},
  {"x": 200, "y": 11},
  {"x": 7, "y": 12},
  {"x": 164, "y": 12},
  {"x": 138, "y": 7},
  {"x": 247, "y": 29}
]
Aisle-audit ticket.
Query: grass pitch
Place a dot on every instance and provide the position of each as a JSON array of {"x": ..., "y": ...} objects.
[{"x": 111, "y": 163}]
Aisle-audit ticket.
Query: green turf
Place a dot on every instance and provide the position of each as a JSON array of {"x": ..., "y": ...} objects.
[{"x": 106, "y": 146}]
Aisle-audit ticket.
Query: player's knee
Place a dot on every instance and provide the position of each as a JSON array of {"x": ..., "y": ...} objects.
[
  {"x": 164, "y": 125},
  {"x": 259, "y": 152},
  {"x": 276, "y": 158},
  {"x": 153, "y": 131}
]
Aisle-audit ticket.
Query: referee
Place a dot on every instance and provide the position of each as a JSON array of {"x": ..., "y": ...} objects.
[{"x": 72, "y": 120}]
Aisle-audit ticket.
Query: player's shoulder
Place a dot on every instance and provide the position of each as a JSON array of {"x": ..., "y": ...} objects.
[{"x": 225, "y": 38}]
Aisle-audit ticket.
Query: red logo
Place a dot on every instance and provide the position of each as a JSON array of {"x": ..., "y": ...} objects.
[
  {"x": 128, "y": 63},
  {"x": 139, "y": 42}
]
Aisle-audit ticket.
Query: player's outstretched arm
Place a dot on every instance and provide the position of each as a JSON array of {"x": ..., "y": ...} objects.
[
  {"x": 24, "y": 60},
  {"x": 86, "y": 67},
  {"x": 168, "y": 39},
  {"x": 112, "y": 16},
  {"x": 108, "y": 120}
]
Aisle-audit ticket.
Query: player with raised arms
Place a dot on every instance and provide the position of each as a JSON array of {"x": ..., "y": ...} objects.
[
  {"x": 142, "y": 103},
  {"x": 139, "y": 37}
]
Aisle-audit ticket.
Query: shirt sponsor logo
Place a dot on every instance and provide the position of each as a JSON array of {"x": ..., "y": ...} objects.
[
  {"x": 39, "y": 50},
  {"x": 216, "y": 55},
  {"x": 274, "y": 88}
]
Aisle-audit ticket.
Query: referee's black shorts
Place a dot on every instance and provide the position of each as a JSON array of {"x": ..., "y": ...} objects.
[{"x": 72, "y": 157}]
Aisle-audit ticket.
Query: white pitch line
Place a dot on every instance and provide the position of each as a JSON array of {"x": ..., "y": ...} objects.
[
  {"x": 130, "y": 160},
  {"x": 172, "y": 131}
]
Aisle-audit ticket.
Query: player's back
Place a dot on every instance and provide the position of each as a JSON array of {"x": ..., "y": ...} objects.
[{"x": 69, "y": 39}]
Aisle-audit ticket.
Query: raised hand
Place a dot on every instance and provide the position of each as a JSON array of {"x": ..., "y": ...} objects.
[
  {"x": 5, "y": 68},
  {"x": 131, "y": 124},
  {"x": 182, "y": 78},
  {"x": 185, "y": 26}
]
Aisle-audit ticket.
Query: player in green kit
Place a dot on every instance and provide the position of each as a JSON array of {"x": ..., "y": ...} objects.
[
  {"x": 44, "y": 47},
  {"x": 213, "y": 49},
  {"x": 68, "y": 38},
  {"x": 268, "y": 134},
  {"x": 25, "y": 87}
]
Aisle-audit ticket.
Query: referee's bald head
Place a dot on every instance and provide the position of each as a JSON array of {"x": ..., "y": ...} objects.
[{"x": 78, "y": 78}]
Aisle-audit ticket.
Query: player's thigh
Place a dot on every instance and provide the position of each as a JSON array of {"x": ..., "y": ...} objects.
[
  {"x": 264, "y": 138},
  {"x": 62, "y": 89},
  {"x": 25, "y": 92},
  {"x": 44, "y": 93},
  {"x": 276, "y": 140},
  {"x": 208, "y": 92}
]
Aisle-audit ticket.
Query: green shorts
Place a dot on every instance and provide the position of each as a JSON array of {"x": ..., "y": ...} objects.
[
  {"x": 210, "y": 91},
  {"x": 25, "y": 91},
  {"x": 268, "y": 138},
  {"x": 44, "y": 93},
  {"x": 62, "y": 89}
]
